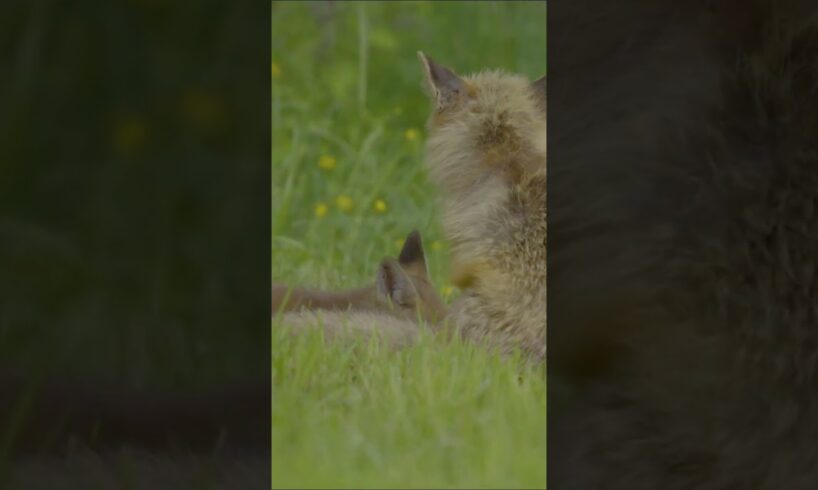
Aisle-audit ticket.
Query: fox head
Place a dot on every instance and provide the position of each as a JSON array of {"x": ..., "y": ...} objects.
[
  {"x": 485, "y": 128},
  {"x": 403, "y": 284}
]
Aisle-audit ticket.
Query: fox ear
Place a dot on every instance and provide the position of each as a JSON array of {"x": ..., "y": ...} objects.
[
  {"x": 412, "y": 257},
  {"x": 445, "y": 86},
  {"x": 393, "y": 283},
  {"x": 538, "y": 86}
]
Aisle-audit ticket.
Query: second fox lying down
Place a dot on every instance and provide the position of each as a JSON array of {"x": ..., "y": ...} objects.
[
  {"x": 487, "y": 154},
  {"x": 397, "y": 306}
]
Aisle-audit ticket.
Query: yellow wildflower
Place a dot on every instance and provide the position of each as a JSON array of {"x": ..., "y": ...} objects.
[
  {"x": 326, "y": 162},
  {"x": 436, "y": 245},
  {"x": 380, "y": 205},
  {"x": 447, "y": 291},
  {"x": 321, "y": 210},
  {"x": 411, "y": 134},
  {"x": 343, "y": 202},
  {"x": 276, "y": 71}
]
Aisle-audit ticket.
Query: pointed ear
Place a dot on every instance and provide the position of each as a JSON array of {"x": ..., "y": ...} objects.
[
  {"x": 412, "y": 257},
  {"x": 444, "y": 85},
  {"x": 538, "y": 86},
  {"x": 395, "y": 284}
]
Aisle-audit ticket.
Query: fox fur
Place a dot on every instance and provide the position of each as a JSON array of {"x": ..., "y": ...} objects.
[
  {"x": 486, "y": 152},
  {"x": 402, "y": 288},
  {"x": 683, "y": 340},
  {"x": 402, "y": 301}
]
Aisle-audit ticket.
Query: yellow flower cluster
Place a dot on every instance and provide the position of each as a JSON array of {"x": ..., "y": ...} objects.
[{"x": 343, "y": 202}]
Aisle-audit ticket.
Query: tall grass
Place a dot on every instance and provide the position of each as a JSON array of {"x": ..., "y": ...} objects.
[
  {"x": 348, "y": 117},
  {"x": 434, "y": 415}
]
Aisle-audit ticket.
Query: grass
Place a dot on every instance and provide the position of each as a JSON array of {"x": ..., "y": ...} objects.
[
  {"x": 434, "y": 415},
  {"x": 348, "y": 184}
]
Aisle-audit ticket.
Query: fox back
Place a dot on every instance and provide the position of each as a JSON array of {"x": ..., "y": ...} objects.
[{"x": 486, "y": 152}]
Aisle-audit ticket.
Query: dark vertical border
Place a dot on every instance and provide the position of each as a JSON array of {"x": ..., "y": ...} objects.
[
  {"x": 135, "y": 224},
  {"x": 681, "y": 307}
]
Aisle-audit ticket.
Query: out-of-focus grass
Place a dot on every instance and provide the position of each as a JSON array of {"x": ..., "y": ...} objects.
[
  {"x": 435, "y": 415},
  {"x": 348, "y": 117}
]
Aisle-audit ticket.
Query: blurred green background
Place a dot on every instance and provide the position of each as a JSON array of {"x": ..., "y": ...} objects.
[
  {"x": 348, "y": 122},
  {"x": 134, "y": 161}
]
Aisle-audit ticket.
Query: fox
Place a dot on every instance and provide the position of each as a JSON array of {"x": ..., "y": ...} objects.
[
  {"x": 486, "y": 154},
  {"x": 402, "y": 285},
  {"x": 401, "y": 302},
  {"x": 683, "y": 333}
]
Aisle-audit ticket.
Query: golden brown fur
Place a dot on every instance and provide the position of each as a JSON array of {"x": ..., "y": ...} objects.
[
  {"x": 487, "y": 154},
  {"x": 400, "y": 302},
  {"x": 394, "y": 330}
]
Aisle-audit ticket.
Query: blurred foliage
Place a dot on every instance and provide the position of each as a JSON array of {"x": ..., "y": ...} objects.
[
  {"x": 347, "y": 86},
  {"x": 133, "y": 187}
]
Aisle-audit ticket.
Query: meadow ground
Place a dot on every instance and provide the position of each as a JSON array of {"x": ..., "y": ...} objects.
[{"x": 348, "y": 184}]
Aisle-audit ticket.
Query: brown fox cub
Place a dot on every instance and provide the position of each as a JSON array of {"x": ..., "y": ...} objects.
[
  {"x": 401, "y": 302},
  {"x": 487, "y": 154},
  {"x": 402, "y": 288}
]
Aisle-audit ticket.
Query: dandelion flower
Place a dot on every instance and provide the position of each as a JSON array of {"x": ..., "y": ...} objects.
[
  {"x": 411, "y": 134},
  {"x": 326, "y": 162},
  {"x": 321, "y": 210},
  {"x": 344, "y": 203},
  {"x": 380, "y": 205},
  {"x": 276, "y": 71}
]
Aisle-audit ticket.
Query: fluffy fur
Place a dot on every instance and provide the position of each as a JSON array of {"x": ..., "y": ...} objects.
[
  {"x": 402, "y": 289},
  {"x": 395, "y": 331},
  {"x": 487, "y": 154}
]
